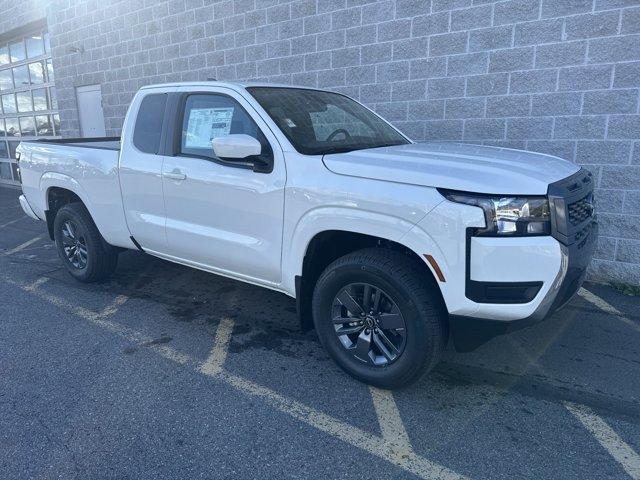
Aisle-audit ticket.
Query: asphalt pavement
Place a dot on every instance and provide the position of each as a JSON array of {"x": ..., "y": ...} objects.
[{"x": 165, "y": 372}]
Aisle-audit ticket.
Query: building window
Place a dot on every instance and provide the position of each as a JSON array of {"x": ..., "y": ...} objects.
[{"x": 28, "y": 106}]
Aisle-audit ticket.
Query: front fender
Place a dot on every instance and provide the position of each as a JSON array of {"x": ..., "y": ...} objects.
[{"x": 348, "y": 220}]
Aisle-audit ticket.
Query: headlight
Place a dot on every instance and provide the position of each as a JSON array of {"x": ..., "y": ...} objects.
[{"x": 507, "y": 216}]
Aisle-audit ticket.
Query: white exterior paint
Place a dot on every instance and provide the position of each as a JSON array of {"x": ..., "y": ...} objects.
[{"x": 256, "y": 227}]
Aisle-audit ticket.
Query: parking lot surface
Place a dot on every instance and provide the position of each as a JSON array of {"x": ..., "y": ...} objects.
[{"x": 168, "y": 372}]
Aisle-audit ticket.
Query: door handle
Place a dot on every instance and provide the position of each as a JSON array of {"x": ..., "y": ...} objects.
[{"x": 174, "y": 175}]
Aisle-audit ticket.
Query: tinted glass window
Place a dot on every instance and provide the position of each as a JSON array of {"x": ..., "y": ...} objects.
[
  {"x": 318, "y": 122},
  {"x": 35, "y": 47},
  {"x": 146, "y": 134},
  {"x": 210, "y": 116}
]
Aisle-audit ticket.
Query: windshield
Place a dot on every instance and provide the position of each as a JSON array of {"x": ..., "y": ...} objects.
[{"x": 317, "y": 122}]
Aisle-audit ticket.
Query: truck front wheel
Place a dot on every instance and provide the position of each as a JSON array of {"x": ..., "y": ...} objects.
[
  {"x": 379, "y": 317},
  {"x": 80, "y": 246}
]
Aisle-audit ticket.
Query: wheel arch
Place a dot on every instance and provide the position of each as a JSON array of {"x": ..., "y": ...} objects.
[
  {"x": 59, "y": 190},
  {"x": 328, "y": 245}
]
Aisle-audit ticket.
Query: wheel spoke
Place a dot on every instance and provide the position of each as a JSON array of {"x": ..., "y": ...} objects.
[
  {"x": 383, "y": 349},
  {"x": 390, "y": 321},
  {"x": 71, "y": 230},
  {"x": 363, "y": 345},
  {"x": 388, "y": 342},
  {"x": 66, "y": 232},
  {"x": 366, "y": 298},
  {"x": 376, "y": 300},
  {"x": 349, "y": 329},
  {"x": 350, "y": 304}
]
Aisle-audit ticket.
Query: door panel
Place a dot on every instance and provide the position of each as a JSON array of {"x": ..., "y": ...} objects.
[
  {"x": 141, "y": 173},
  {"x": 226, "y": 217}
]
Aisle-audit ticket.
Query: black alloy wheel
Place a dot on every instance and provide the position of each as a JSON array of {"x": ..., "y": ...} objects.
[
  {"x": 74, "y": 244},
  {"x": 380, "y": 316},
  {"x": 369, "y": 324}
]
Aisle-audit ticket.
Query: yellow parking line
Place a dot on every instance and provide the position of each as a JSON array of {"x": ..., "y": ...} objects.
[
  {"x": 113, "y": 307},
  {"x": 36, "y": 284},
  {"x": 214, "y": 363},
  {"x": 391, "y": 425},
  {"x": 607, "y": 307},
  {"x": 393, "y": 446},
  {"x": 608, "y": 438},
  {"x": 23, "y": 245},
  {"x": 12, "y": 222},
  {"x": 384, "y": 448},
  {"x": 372, "y": 444}
]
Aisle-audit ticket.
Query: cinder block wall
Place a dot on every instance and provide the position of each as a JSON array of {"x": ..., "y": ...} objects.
[{"x": 556, "y": 76}]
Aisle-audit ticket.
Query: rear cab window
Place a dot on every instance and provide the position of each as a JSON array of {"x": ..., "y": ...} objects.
[{"x": 148, "y": 129}]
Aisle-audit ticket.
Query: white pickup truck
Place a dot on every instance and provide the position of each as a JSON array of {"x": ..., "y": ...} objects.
[{"x": 389, "y": 247}]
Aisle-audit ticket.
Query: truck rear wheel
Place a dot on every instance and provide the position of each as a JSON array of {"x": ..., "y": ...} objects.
[
  {"x": 80, "y": 246},
  {"x": 379, "y": 317}
]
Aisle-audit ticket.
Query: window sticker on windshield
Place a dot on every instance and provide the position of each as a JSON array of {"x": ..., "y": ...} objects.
[
  {"x": 289, "y": 123},
  {"x": 205, "y": 124}
]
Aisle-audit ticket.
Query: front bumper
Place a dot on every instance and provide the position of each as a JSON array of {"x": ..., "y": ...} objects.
[
  {"x": 574, "y": 227},
  {"x": 470, "y": 332}
]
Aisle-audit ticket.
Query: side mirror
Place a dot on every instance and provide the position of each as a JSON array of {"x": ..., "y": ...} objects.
[{"x": 236, "y": 146}]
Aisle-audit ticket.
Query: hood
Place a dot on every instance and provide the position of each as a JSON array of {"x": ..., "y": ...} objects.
[{"x": 455, "y": 166}]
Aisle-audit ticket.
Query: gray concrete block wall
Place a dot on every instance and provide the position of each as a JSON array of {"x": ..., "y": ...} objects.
[{"x": 556, "y": 76}]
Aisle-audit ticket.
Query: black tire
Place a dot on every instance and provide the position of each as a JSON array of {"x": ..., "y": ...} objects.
[
  {"x": 99, "y": 260},
  {"x": 414, "y": 294}
]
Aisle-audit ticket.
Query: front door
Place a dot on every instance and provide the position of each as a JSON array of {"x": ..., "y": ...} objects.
[{"x": 221, "y": 214}]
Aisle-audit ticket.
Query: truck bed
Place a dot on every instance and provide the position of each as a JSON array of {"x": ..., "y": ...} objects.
[
  {"x": 104, "y": 143},
  {"x": 86, "y": 166}
]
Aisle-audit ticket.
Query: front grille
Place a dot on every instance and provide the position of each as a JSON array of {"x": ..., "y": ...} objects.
[
  {"x": 572, "y": 212},
  {"x": 581, "y": 210}
]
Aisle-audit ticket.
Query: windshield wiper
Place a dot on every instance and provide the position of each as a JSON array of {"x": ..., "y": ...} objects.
[
  {"x": 329, "y": 151},
  {"x": 357, "y": 147}
]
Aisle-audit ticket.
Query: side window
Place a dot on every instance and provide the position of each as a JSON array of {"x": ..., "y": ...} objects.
[
  {"x": 208, "y": 116},
  {"x": 148, "y": 129}
]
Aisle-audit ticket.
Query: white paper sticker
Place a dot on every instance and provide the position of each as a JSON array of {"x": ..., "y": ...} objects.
[{"x": 205, "y": 124}]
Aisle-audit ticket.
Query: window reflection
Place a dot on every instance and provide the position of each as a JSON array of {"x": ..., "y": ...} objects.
[
  {"x": 40, "y": 99},
  {"x": 35, "y": 46},
  {"x": 6, "y": 83},
  {"x": 9, "y": 103},
  {"x": 27, "y": 126},
  {"x": 21, "y": 76},
  {"x": 13, "y": 130},
  {"x": 36, "y": 72},
  {"x": 16, "y": 51},
  {"x": 4, "y": 54},
  {"x": 43, "y": 125},
  {"x": 12, "y": 148},
  {"x": 24, "y": 102}
]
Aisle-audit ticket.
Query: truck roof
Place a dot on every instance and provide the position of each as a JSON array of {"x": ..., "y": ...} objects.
[{"x": 232, "y": 85}]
